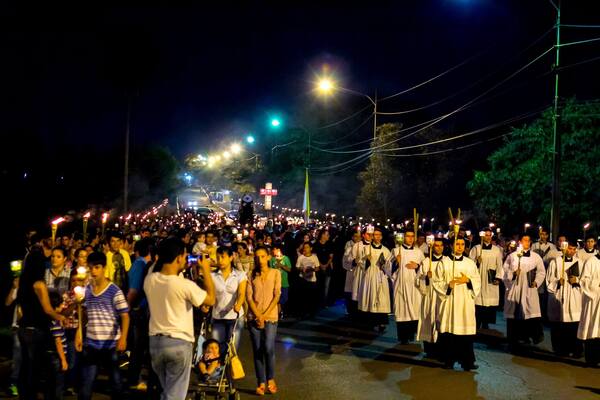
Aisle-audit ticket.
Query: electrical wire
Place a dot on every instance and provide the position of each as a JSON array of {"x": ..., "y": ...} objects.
[
  {"x": 579, "y": 26},
  {"x": 344, "y": 119},
  {"x": 432, "y": 79},
  {"x": 442, "y": 117},
  {"x": 432, "y": 153},
  {"x": 487, "y": 128},
  {"x": 579, "y": 42},
  {"x": 340, "y": 164},
  {"x": 347, "y": 135},
  {"x": 353, "y": 164},
  {"x": 455, "y": 94},
  {"x": 578, "y": 63}
]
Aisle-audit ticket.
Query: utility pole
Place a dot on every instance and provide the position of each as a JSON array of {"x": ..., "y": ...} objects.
[
  {"x": 375, "y": 117},
  {"x": 556, "y": 142}
]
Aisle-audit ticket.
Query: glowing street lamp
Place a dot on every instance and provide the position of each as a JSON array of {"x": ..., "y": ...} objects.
[
  {"x": 250, "y": 139},
  {"x": 275, "y": 122},
  {"x": 236, "y": 148},
  {"x": 325, "y": 86}
]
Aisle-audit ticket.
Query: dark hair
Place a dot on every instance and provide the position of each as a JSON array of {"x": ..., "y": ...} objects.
[
  {"x": 321, "y": 233},
  {"x": 113, "y": 234},
  {"x": 225, "y": 250},
  {"x": 168, "y": 250},
  {"x": 207, "y": 342},
  {"x": 79, "y": 250},
  {"x": 144, "y": 247},
  {"x": 55, "y": 298},
  {"x": 61, "y": 249},
  {"x": 256, "y": 269},
  {"x": 243, "y": 245},
  {"x": 96, "y": 258},
  {"x": 34, "y": 269}
]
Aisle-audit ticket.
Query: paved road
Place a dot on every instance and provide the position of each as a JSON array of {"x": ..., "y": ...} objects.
[{"x": 328, "y": 358}]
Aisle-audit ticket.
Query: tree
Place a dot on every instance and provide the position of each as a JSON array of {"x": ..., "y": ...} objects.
[
  {"x": 378, "y": 178},
  {"x": 517, "y": 186}
]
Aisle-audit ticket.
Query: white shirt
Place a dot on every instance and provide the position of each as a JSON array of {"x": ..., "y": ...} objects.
[
  {"x": 171, "y": 299},
  {"x": 304, "y": 262},
  {"x": 226, "y": 293}
]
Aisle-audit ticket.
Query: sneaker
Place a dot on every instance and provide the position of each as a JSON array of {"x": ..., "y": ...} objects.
[
  {"x": 13, "y": 391},
  {"x": 70, "y": 392}
]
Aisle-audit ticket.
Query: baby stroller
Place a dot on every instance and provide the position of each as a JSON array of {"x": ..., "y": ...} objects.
[{"x": 222, "y": 387}]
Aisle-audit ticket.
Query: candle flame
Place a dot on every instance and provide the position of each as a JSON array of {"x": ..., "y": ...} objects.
[{"x": 58, "y": 221}]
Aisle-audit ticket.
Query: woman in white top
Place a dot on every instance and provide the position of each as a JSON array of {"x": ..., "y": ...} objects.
[{"x": 230, "y": 293}]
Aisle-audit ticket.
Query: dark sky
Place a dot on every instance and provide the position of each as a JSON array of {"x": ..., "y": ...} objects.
[{"x": 202, "y": 73}]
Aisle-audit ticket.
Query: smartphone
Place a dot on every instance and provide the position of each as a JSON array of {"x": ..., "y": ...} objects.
[
  {"x": 192, "y": 259},
  {"x": 136, "y": 238},
  {"x": 370, "y": 229}
]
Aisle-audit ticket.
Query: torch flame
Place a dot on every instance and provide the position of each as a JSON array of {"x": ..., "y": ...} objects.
[{"x": 58, "y": 221}]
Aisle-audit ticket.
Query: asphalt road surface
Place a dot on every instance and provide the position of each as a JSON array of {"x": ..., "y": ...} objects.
[{"x": 329, "y": 358}]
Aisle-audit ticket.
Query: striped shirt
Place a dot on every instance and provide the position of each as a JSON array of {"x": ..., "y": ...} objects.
[
  {"x": 57, "y": 331},
  {"x": 103, "y": 327}
]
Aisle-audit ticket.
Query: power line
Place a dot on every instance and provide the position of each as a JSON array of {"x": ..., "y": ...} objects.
[
  {"x": 347, "y": 135},
  {"x": 359, "y": 160},
  {"x": 536, "y": 41},
  {"x": 329, "y": 167},
  {"x": 344, "y": 119},
  {"x": 487, "y": 128},
  {"x": 579, "y": 42},
  {"x": 444, "y": 116},
  {"x": 578, "y": 26},
  {"x": 432, "y": 153},
  {"x": 432, "y": 79}
]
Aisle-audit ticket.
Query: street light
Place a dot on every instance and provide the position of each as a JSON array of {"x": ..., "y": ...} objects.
[
  {"x": 236, "y": 148},
  {"x": 250, "y": 139},
  {"x": 325, "y": 86},
  {"x": 275, "y": 122}
]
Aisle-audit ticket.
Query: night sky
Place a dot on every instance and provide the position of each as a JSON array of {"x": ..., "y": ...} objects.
[{"x": 202, "y": 74}]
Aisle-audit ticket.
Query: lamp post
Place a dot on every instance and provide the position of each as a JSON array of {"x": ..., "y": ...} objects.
[
  {"x": 556, "y": 142},
  {"x": 326, "y": 86}
]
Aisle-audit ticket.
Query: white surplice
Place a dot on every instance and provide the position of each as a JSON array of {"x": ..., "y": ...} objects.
[
  {"x": 564, "y": 302},
  {"x": 359, "y": 256},
  {"x": 407, "y": 299},
  {"x": 491, "y": 264},
  {"x": 428, "y": 319},
  {"x": 589, "y": 324},
  {"x": 518, "y": 292},
  {"x": 375, "y": 292},
  {"x": 348, "y": 265},
  {"x": 457, "y": 306}
]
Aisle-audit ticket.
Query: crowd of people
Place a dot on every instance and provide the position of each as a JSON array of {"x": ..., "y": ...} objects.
[{"x": 144, "y": 295}]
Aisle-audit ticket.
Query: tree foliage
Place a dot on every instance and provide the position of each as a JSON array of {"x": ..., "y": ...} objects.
[{"x": 517, "y": 185}]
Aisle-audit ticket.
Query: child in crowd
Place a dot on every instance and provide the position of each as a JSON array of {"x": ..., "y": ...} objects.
[
  {"x": 59, "y": 350},
  {"x": 307, "y": 264},
  {"x": 105, "y": 305},
  {"x": 210, "y": 363}
]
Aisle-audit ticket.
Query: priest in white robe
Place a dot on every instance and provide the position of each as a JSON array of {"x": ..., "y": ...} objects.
[
  {"x": 564, "y": 302},
  {"x": 407, "y": 299},
  {"x": 488, "y": 259},
  {"x": 375, "y": 292},
  {"x": 457, "y": 284},
  {"x": 349, "y": 264},
  {"x": 359, "y": 255},
  {"x": 588, "y": 251},
  {"x": 524, "y": 272},
  {"x": 589, "y": 324},
  {"x": 427, "y": 331}
]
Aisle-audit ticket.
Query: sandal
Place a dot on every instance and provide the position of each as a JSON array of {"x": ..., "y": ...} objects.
[
  {"x": 260, "y": 390},
  {"x": 272, "y": 387}
]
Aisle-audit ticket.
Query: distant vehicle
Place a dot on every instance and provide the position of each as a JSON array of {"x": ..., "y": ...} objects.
[{"x": 204, "y": 211}]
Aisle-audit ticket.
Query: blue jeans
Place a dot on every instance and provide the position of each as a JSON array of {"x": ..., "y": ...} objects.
[
  {"x": 91, "y": 359},
  {"x": 171, "y": 360},
  {"x": 222, "y": 329},
  {"x": 263, "y": 348},
  {"x": 35, "y": 344},
  {"x": 16, "y": 359}
]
